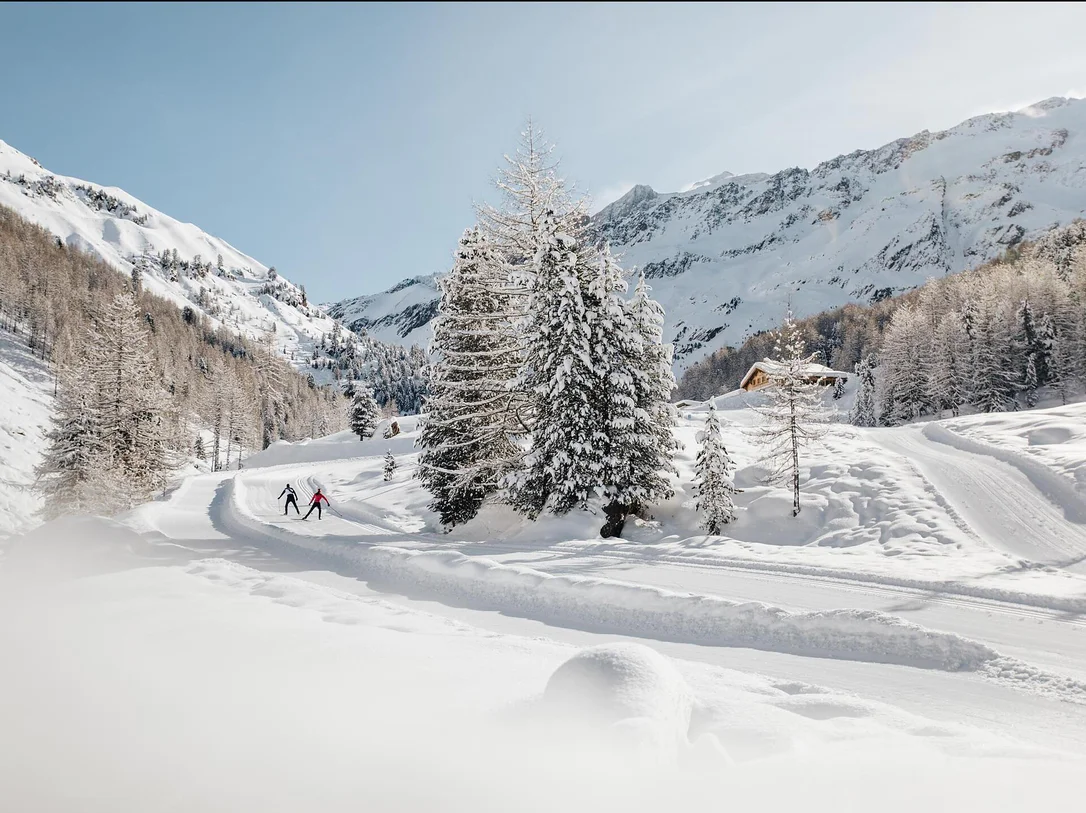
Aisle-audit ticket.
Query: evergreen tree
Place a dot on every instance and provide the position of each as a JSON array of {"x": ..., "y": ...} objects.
[
  {"x": 390, "y": 466},
  {"x": 713, "y": 477},
  {"x": 792, "y": 419},
  {"x": 1060, "y": 360},
  {"x": 994, "y": 379},
  {"x": 198, "y": 448},
  {"x": 616, "y": 350},
  {"x": 905, "y": 365},
  {"x": 652, "y": 441},
  {"x": 838, "y": 389},
  {"x": 1031, "y": 345},
  {"x": 562, "y": 469},
  {"x": 1029, "y": 383},
  {"x": 365, "y": 414},
  {"x": 469, "y": 435},
  {"x": 863, "y": 408}
]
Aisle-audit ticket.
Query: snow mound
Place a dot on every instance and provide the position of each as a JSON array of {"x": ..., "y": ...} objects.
[
  {"x": 634, "y": 698},
  {"x": 615, "y": 682},
  {"x": 71, "y": 547}
]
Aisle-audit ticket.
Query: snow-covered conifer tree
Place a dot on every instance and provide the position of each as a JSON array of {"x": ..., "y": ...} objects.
[
  {"x": 995, "y": 380},
  {"x": 562, "y": 469},
  {"x": 793, "y": 418},
  {"x": 863, "y": 408},
  {"x": 390, "y": 466},
  {"x": 469, "y": 435},
  {"x": 654, "y": 443},
  {"x": 1029, "y": 382},
  {"x": 1029, "y": 344},
  {"x": 713, "y": 477},
  {"x": 1061, "y": 363},
  {"x": 365, "y": 414},
  {"x": 905, "y": 365}
]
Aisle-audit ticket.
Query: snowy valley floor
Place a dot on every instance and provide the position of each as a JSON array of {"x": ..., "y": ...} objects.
[{"x": 915, "y": 637}]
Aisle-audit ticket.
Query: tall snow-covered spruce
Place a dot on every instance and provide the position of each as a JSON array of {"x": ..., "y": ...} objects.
[
  {"x": 365, "y": 414},
  {"x": 652, "y": 444},
  {"x": 794, "y": 416},
  {"x": 600, "y": 384},
  {"x": 562, "y": 469},
  {"x": 713, "y": 477},
  {"x": 471, "y": 426}
]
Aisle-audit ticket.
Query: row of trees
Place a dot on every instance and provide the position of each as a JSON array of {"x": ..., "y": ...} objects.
[
  {"x": 988, "y": 339},
  {"x": 551, "y": 387},
  {"x": 171, "y": 386}
]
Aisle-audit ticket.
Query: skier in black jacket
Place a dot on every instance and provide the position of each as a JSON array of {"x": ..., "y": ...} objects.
[{"x": 292, "y": 499}]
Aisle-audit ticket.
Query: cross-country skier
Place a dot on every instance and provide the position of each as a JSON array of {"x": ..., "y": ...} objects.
[
  {"x": 292, "y": 499},
  {"x": 316, "y": 503}
]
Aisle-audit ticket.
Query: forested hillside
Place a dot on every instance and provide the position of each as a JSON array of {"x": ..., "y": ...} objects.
[
  {"x": 187, "y": 388},
  {"x": 989, "y": 338}
]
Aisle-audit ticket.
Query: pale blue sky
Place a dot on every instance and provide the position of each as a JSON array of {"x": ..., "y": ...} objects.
[{"x": 345, "y": 144}]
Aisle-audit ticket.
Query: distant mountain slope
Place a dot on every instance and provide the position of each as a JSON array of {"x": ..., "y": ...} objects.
[
  {"x": 401, "y": 314},
  {"x": 182, "y": 263},
  {"x": 726, "y": 256}
]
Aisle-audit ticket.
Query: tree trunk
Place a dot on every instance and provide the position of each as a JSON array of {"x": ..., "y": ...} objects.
[
  {"x": 795, "y": 462},
  {"x": 616, "y": 519}
]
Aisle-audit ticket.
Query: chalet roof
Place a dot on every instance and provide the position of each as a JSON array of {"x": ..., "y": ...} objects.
[{"x": 774, "y": 368}]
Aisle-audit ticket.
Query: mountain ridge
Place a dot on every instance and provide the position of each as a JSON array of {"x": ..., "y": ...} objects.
[
  {"x": 726, "y": 256},
  {"x": 184, "y": 264}
]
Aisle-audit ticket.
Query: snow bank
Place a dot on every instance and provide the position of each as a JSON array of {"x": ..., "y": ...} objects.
[
  {"x": 71, "y": 547},
  {"x": 603, "y": 605},
  {"x": 340, "y": 446},
  {"x": 629, "y": 693}
]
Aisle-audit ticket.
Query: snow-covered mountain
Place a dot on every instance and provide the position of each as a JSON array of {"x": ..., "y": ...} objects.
[
  {"x": 400, "y": 315},
  {"x": 179, "y": 261},
  {"x": 726, "y": 256}
]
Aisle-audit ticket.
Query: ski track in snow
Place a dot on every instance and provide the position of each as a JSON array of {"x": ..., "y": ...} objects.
[{"x": 1010, "y": 502}]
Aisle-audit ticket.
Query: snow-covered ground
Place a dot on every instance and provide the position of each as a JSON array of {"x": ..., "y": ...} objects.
[
  {"x": 26, "y": 384},
  {"x": 923, "y": 617}
]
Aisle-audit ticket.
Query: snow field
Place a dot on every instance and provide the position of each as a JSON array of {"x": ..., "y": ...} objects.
[
  {"x": 220, "y": 687},
  {"x": 376, "y": 536}
]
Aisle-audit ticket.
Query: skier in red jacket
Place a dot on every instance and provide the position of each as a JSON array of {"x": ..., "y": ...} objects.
[{"x": 316, "y": 503}]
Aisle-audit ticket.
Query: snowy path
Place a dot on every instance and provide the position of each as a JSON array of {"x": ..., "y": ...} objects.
[{"x": 999, "y": 502}]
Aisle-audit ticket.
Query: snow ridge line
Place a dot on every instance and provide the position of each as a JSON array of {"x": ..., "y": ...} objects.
[
  {"x": 1055, "y": 487},
  {"x": 603, "y": 605},
  {"x": 949, "y": 589}
]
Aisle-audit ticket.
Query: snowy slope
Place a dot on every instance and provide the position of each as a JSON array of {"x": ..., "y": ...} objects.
[
  {"x": 725, "y": 256},
  {"x": 108, "y": 222},
  {"x": 27, "y": 384},
  {"x": 400, "y": 315}
]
